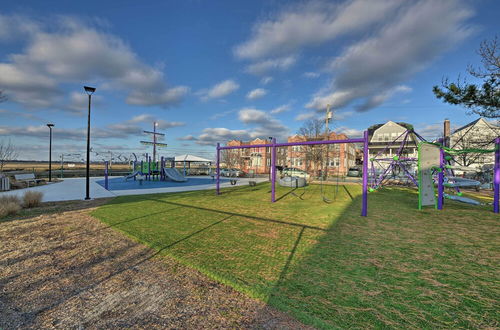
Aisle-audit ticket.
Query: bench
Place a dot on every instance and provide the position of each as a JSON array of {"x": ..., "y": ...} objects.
[{"x": 29, "y": 177}]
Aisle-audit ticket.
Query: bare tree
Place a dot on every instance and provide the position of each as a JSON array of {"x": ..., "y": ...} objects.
[
  {"x": 313, "y": 130},
  {"x": 7, "y": 152},
  {"x": 230, "y": 157},
  {"x": 3, "y": 98}
]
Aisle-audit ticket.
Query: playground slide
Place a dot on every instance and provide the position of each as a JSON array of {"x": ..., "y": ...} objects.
[
  {"x": 461, "y": 182},
  {"x": 132, "y": 175},
  {"x": 174, "y": 175},
  {"x": 462, "y": 199}
]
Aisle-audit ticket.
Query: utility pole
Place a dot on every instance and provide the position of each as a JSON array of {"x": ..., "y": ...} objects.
[{"x": 327, "y": 137}]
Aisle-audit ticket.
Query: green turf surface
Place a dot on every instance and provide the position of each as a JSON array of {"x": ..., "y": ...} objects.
[{"x": 324, "y": 263}]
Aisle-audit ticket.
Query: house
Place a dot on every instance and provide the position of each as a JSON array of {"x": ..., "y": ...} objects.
[
  {"x": 479, "y": 134},
  {"x": 386, "y": 139}
]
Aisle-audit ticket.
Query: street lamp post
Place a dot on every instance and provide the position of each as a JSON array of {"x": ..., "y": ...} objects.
[
  {"x": 89, "y": 91},
  {"x": 50, "y": 151}
]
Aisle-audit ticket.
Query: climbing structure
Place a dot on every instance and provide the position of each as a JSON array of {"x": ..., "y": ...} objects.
[{"x": 398, "y": 167}]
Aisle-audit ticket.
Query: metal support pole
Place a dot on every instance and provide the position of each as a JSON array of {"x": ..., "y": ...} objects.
[
  {"x": 87, "y": 179},
  {"x": 106, "y": 175},
  {"x": 161, "y": 168},
  {"x": 496, "y": 178},
  {"x": 217, "y": 170},
  {"x": 273, "y": 171},
  {"x": 364, "y": 211},
  {"x": 50, "y": 154},
  {"x": 440, "y": 180}
]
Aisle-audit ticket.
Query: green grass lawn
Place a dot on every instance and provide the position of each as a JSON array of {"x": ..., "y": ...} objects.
[{"x": 322, "y": 262}]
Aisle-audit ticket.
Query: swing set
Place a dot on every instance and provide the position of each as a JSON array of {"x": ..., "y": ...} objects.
[{"x": 273, "y": 146}]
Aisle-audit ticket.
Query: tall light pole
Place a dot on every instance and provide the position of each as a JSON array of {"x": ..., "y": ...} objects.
[
  {"x": 50, "y": 151},
  {"x": 89, "y": 91}
]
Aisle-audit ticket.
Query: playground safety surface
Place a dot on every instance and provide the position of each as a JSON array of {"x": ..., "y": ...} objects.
[{"x": 69, "y": 270}]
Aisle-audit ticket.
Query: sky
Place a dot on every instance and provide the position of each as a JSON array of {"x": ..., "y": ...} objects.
[{"x": 211, "y": 71}]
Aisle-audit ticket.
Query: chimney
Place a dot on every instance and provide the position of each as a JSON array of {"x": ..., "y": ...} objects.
[{"x": 447, "y": 133}]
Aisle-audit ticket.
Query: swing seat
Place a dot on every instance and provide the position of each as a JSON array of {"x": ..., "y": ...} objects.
[{"x": 292, "y": 182}]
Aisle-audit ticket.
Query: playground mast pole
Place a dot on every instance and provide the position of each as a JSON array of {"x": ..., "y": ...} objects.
[{"x": 155, "y": 142}]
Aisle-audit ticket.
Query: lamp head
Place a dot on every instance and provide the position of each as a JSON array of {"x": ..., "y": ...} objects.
[
  {"x": 89, "y": 90},
  {"x": 50, "y": 125}
]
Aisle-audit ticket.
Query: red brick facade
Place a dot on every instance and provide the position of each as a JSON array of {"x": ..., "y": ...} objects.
[{"x": 310, "y": 159}]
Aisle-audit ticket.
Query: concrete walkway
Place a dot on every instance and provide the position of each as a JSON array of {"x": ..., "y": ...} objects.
[{"x": 74, "y": 189}]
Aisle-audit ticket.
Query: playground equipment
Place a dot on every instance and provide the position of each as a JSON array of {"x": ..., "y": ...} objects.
[
  {"x": 273, "y": 146},
  {"x": 173, "y": 174},
  {"x": 399, "y": 167},
  {"x": 148, "y": 170},
  {"x": 432, "y": 166},
  {"x": 434, "y": 158}
]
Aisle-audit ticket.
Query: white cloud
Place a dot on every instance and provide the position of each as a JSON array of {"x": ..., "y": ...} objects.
[
  {"x": 310, "y": 24},
  {"x": 280, "y": 109},
  {"x": 69, "y": 51},
  {"x": 266, "y": 80},
  {"x": 305, "y": 116},
  {"x": 311, "y": 75},
  {"x": 370, "y": 71},
  {"x": 260, "y": 125},
  {"x": 350, "y": 132},
  {"x": 281, "y": 63},
  {"x": 118, "y": 130},
  {"x": 169, "y": 97},
  {"x": 212, "y": 136},
  {"x": 222, "y": 89},
  {"x": 256, "y": 94}
]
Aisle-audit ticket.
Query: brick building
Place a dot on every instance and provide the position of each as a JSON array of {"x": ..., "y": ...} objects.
[{"x": 307, "y": 158}]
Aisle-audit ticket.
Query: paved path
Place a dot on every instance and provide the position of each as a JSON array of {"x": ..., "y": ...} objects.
[{"x": 74, "y": 189}]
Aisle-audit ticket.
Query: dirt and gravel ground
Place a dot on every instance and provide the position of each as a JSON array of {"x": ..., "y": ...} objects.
[{"x": 69, "y": 270}]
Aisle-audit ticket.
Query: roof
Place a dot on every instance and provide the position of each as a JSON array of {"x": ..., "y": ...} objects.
[
  {"x": 191, "y": 158},
  {"x": 375, "y": 127},
  {"x": 473, "y": 123}
]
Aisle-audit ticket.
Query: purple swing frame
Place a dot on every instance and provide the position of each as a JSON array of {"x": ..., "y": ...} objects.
[{"x": 273, "y": 145}]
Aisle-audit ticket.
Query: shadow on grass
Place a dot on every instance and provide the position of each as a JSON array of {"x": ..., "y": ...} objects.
[{"x": 238, "y": 214}]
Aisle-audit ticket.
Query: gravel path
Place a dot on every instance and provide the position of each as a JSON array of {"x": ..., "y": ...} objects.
[{"x": 68, "y": 270}]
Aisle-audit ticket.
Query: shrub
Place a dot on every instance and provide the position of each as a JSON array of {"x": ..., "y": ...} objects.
[
  {"x": 10, "y": 198},
  {"x": 32, "y": 198},
  {"x": 9, "y": 208}
]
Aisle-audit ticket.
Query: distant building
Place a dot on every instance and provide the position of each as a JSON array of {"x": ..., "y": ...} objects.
[
  {"x": 307, "y": 158},
  {"x": 250, "y": 160},
  {"x": 479, "y": 134}
]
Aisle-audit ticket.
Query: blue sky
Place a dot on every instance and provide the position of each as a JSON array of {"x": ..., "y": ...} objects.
[{"x": 211, "y": 71}]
